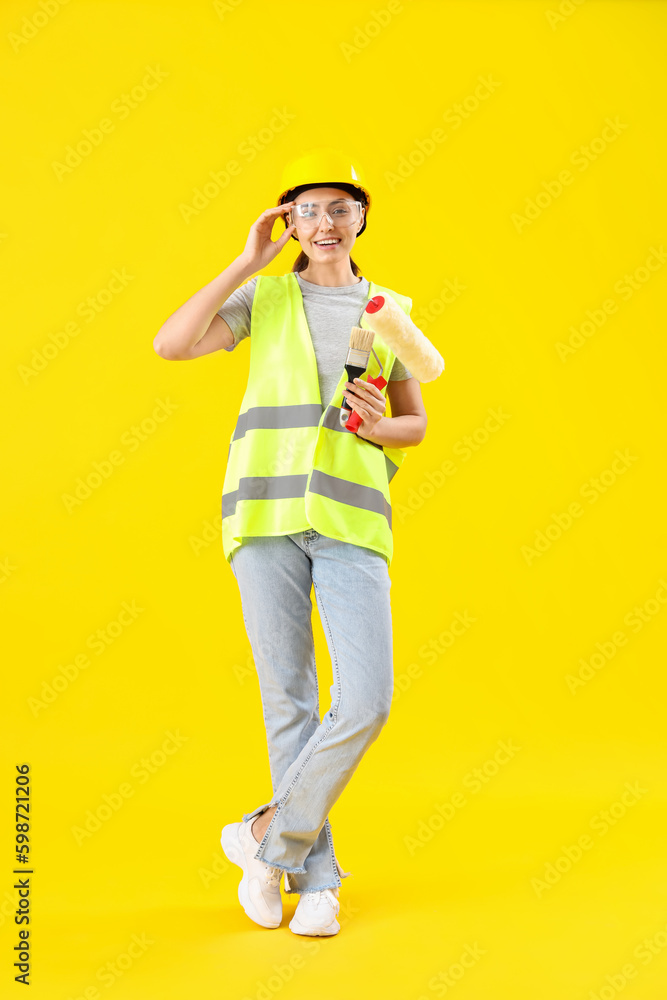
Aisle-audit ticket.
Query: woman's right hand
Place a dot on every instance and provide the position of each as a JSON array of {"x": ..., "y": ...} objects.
[{"x": 260, "y": 249}]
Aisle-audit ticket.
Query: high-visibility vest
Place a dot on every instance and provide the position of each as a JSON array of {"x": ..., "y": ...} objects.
[{"x": 290, "y": 464}]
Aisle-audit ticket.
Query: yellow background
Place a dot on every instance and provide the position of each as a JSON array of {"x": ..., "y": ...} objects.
[{"x": 427, "y": 884}]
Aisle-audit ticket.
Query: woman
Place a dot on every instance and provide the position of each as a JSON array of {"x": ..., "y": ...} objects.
[{"x": 305, "y": 505}]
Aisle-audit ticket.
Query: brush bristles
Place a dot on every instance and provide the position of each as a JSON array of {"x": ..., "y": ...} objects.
[{"x": 361, "y": 340}]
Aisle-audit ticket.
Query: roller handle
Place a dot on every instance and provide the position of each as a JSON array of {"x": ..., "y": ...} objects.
[{"x": 354, "y": 420}]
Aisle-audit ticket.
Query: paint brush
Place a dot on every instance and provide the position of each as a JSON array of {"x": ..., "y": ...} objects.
[{"x": 359, "y": 350}]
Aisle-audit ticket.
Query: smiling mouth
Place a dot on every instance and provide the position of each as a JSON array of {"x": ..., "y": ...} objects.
[{"x": 326, "y": 243}]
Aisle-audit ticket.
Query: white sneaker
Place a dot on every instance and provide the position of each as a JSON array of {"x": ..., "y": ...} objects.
[
  {"x": 316, "y": 913},
  {"x": 259, "y": 889}
]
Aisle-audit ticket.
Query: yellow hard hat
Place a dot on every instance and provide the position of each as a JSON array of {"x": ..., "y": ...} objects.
[{"x": 324, "y": 167}]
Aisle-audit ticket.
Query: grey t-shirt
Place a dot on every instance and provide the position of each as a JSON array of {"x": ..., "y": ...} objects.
[{"x": 331, "y": 312}]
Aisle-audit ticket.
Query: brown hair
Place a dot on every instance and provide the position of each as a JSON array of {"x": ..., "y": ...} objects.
[{"x": 303, "y": 260}]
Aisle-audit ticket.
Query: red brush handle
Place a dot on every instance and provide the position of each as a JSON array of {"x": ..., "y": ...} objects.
[{"x": 354, "y": 419}]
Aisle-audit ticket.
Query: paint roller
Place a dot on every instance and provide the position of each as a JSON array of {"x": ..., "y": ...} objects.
[
  {"x": 417, "y": 353},
  {"x": 386, "y": 318}
]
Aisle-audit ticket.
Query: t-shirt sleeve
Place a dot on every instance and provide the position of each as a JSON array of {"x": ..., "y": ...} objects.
[
  {"x": 236, "y": 311},
  {"x": 399, "y": 372}
]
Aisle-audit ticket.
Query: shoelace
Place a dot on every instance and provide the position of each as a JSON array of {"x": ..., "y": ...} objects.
[
  {"x": 273, "y": 876},
  {"x": 317, "y": 894}
]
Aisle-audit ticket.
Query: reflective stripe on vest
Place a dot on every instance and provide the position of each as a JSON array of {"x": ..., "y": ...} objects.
[
  {"x": 290, "y": 463},
  {"x": 283, "y": 487},
  {"x": 305, "y": 415},
  {"x": 301, "y": 415}
]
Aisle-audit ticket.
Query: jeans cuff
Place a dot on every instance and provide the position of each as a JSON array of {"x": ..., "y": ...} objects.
[
  {"x": 311, "y": 888},
  {"x": 258, "y": 810}
]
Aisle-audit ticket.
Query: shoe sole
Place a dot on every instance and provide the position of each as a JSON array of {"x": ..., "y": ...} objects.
[
  {"x": 298, "y": 928},
  {"x": 231, "y": 845}
]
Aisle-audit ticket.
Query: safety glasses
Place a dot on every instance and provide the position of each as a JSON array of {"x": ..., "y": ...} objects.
[{"x": 308, "y": 214}]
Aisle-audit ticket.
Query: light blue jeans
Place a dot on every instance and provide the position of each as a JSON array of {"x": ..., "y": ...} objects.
[{"x": 311, "y": 761}]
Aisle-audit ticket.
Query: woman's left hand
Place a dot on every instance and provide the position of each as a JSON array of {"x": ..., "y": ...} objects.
[{"x": 366, "y": 400}]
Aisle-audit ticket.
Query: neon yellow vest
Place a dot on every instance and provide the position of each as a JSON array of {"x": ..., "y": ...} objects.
[{"x": 290, "y": 464}]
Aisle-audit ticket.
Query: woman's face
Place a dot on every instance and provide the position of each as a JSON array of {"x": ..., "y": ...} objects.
[{"x": 326, "y": 199}]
